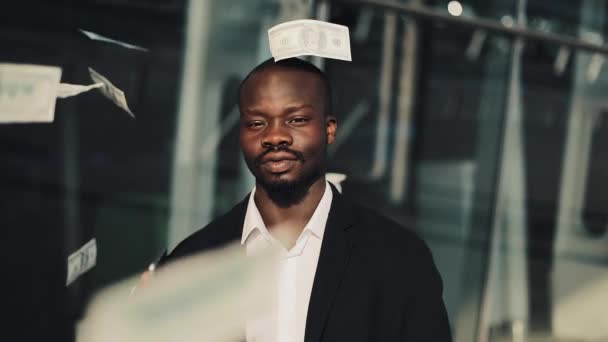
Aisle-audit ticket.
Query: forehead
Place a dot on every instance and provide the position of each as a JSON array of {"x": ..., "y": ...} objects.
[{"x": 277, "y": 85}]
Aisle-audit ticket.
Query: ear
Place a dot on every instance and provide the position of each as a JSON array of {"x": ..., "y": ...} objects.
[{"x": 331, "y": 126}]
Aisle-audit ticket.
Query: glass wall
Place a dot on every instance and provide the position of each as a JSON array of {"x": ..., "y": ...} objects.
[{"x": 479, "y": 124}]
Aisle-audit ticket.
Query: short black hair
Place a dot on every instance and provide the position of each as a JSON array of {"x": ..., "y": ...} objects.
[{"x": 297, "y": 64}]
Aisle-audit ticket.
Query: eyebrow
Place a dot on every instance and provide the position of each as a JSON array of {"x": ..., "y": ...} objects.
[
  {"x": 288, "y": 110},
  {"x": 295, "y": 108}
]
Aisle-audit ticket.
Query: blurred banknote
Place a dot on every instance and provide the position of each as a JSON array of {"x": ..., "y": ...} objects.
[
  {"x": 111, "y": 91},
  {"x": 206, "y": 297},
  {"x": 98, "y": 37},
  {"x": 69, "y": 90},
  {"x": 28, "y": 92},
  {"x": 81, "y": 261},
  {"x": 309, "y": 37}
]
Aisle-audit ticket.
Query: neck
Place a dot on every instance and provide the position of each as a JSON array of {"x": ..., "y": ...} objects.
[{"x": 286, "y": 223}]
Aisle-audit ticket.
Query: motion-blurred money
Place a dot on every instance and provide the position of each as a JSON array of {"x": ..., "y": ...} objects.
[
  {"x": 98, "y": 37},
  {"x": 81, "y": 261},
  {"x": 110, "y": 91},
  {"x": 309, "y": 37},
  {"x": 28, "y": 92},
  {"x": 68, "y": 90},
  {"x": 207, "y": 297}
]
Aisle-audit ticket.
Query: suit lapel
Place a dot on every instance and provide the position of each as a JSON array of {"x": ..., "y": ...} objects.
[
  {"x": 333, "y": 260},
  {"x": 236, "y": 219}
]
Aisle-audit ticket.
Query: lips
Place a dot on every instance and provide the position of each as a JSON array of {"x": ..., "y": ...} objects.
[
  {"x": 279, "y": 166},
  {"x": 275, "y": 157},
  {"x": 278, "y": 163}
]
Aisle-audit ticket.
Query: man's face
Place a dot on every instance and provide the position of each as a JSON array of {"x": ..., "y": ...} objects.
[{"x": 283, "y": 132}]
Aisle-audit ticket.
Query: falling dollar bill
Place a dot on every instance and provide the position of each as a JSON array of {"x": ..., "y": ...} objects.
[
  {"x": 28, "y": 92},
  {"x": 68, "y": 90},
  {"x": 206, "y": 297},
  {"x": 98, "y": 37},
  {"x": 309, "y": 37},
  {"x": 81, "y": 261},
  {"x": 110, "y": 91}
]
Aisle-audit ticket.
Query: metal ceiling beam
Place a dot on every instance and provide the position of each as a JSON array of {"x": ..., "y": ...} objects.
[{"x": 491, "y": 25}]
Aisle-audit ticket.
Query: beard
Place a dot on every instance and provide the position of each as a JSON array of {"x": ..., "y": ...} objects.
[{"x": 285, "y": 193}]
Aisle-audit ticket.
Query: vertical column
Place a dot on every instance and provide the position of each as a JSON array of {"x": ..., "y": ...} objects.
[
  {"x": 506, "y": 291},
  {"x": 474, "y": 312},
  {"x": 384, "y": 95},
  {"x": 579, "y": 278},
  {"x": 192, "y": 177},
  {"x": 401, "y": 153}
]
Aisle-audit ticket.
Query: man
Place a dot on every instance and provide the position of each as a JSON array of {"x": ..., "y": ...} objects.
[{"x": 347, "y": 273}]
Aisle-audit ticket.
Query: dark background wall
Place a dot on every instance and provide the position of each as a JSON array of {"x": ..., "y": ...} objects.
[{"x": 94, "y": 171}]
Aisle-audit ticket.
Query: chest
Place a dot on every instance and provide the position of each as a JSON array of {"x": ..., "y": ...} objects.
[{"x": 368, "y": 304}]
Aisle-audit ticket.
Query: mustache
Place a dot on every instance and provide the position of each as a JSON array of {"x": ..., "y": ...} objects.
[{"x": 281, "y": 148}]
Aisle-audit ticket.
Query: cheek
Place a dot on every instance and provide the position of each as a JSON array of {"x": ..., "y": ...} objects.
[
  {"x": 312, "y": 145},
  {"x": 247, "y": 147},
  {"x": 244, "y": 136}
]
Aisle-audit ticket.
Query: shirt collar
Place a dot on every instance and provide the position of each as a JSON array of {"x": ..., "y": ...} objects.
[
  {"x": 253, "y": 219},
  {"x": 316, "y": 224}
]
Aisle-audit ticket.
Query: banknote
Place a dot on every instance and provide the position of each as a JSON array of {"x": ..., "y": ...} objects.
[
  {"x": 68, "y": 90},
  {"x": 309, "y": 37},
  {"x": 206, "y": 297},
  {"x": 111, "y": 91},
  {"x": 98, "y": 37},
  {"x": 81, "y": 261},
  {"x": 28, "y": 92}
]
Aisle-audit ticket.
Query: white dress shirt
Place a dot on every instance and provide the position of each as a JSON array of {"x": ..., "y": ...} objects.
[{"x": 296, "y": 272}]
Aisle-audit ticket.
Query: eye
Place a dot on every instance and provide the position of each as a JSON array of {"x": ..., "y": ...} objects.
[
  {"x": 254, "y": 124},
  {"x": 298, "y": 121}
]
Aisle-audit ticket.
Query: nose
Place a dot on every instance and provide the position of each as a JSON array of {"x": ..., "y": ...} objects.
[{"x": 276, "y": 135}]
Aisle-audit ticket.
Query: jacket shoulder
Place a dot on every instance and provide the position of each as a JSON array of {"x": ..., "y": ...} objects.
[
  {"x": 396, "y": 251},
  {"x": 384, "y": 235},
  {"x": 221, "y": 231}
]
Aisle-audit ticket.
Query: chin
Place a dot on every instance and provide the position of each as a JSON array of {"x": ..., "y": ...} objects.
[
  {"x": 285, "y": 192},
  {"x": 279, "y": 184}
]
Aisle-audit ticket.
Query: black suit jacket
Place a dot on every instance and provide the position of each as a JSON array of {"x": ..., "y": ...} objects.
[{"x": 375, "y": 280}]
